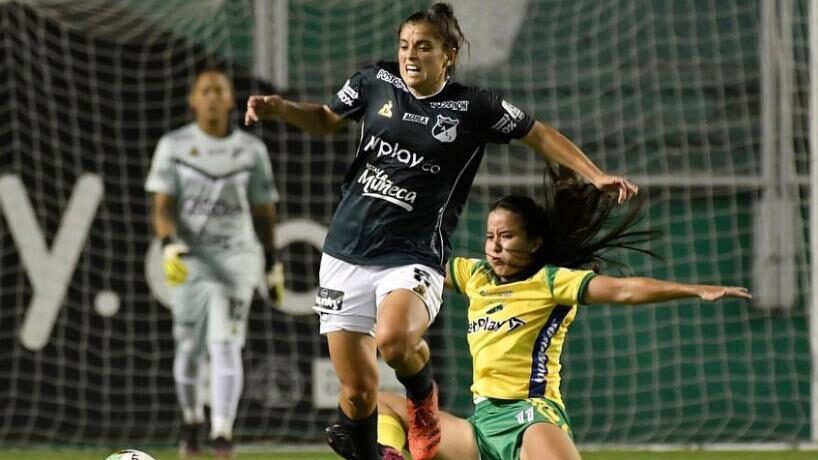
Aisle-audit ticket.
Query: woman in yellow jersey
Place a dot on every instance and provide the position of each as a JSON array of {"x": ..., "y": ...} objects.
[{"x": 540, "y": 265}]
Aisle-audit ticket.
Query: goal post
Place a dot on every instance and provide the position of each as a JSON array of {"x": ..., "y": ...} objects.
[{"x": 813, "y": 213}]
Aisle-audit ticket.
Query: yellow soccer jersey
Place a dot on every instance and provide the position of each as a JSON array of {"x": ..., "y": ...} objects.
[{"x": 517, "y": 329}]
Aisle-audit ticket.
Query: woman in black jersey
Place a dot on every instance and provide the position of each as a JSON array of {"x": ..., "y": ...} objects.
[{"x": 381, "y": 277}]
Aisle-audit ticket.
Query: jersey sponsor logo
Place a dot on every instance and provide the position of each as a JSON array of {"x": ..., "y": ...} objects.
[
  {"x": 386, "y": 110},
  {"x": 392, "y": 79},
  {"x": 513, "y": 111},
  {"x": 485, "y": 293},
  {"x": 347, "y": 95},
  {"x": 460, "y": 106},
  {"x": 445, "y": 129},
  {"x": 494, "y": 309},
  {"x": 207, "y": 207},
  {"x": 211, "y": 239},
  {"x": 414, "y": 118},
  {"x": 329, "y": 299},
  {"x": 407, "y": 157},
  {"x": 486, "y": 324},
  {"x": 540, "y": 363},
  {"x": 377, "y": 184}
]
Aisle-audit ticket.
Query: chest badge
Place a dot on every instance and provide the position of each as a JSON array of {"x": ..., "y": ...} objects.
[
  {"x": 194, "y": 152},
  {"x": 445, "y": 129},
  {"x": 386, "y": 110}
]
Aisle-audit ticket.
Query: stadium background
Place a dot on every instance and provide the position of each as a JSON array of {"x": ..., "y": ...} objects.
[{"x": 647, "y": 88}]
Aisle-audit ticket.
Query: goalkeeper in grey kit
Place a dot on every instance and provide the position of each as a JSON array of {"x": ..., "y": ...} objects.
[
  {"x": 381, "y": 276},
  {"x": 214, "y": 211}
]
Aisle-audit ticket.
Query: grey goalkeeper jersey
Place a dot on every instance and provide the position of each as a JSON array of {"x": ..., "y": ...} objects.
[{"x": 216, "y": 183}]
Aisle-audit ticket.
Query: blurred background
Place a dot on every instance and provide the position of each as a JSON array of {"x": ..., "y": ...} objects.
[{"x": 705, "y": 104}]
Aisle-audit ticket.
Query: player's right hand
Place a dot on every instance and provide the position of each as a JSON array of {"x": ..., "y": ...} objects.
[
  {"x": 262, "y": 108},
  {"x": 173, "y": 263}
]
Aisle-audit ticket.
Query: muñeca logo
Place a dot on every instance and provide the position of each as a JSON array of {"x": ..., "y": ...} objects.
[{"x": 377, "y": 184}]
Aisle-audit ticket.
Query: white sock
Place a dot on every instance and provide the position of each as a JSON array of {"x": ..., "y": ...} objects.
[
  {"x": 226, "y": 380},
  {"x": 186, "y": 374}
]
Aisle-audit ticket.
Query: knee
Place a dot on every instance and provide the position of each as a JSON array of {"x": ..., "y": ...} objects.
[
  {"x": 396, "y": 346},
  {"x": 361, "y": 393}
]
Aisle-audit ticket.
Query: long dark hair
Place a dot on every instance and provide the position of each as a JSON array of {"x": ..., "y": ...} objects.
[
  {"x": 572, "y": 223},
  {"x": 441, "y": 17}
]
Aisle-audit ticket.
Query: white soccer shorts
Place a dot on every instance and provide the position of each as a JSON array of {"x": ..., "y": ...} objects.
[
  {"x": 213, "y": 304},
  {"x": 349, "y": 296}
]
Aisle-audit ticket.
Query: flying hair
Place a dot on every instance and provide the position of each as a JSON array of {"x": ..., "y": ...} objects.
[{"x": 573, "y": 221}]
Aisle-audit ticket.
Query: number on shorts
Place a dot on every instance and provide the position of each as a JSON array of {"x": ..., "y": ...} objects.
[{"x": 525, "y": 416}]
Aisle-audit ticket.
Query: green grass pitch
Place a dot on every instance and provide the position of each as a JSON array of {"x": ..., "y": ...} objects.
[{"x": 167, "y": 454}]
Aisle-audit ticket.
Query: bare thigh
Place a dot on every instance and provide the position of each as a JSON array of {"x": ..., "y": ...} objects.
[{"x": 544, "y": 441}]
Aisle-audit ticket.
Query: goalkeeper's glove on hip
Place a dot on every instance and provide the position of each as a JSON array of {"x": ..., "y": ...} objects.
[
  {"x": 274, "y": 275},
  {"x": 173, "y": 261}
]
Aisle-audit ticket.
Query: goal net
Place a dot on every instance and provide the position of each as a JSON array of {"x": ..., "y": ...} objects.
[{"x": 674, "y": 95}]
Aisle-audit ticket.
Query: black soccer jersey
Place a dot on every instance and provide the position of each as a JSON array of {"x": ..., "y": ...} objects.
[{"x": 415, "y": 164}]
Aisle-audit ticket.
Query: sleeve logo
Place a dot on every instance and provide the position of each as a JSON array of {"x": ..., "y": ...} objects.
[
  {"x": 516, "y": 114},
  {"x": 504, "y": 124},
  {"x": 347, "y": 95},
  {"x": 509, "y": 120}
]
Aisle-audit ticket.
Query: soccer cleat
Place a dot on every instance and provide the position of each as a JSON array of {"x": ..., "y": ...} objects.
[
  {"x": 222, "y": 448},
  {"x": 339, "y": 440},
  {"x": 424, "y": 427},
  {"x": 190, "y": 445},
  {"x": 388, "y": 453}
]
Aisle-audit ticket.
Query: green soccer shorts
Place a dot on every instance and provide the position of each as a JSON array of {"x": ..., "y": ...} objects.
[{"x": 499, "y": 424}]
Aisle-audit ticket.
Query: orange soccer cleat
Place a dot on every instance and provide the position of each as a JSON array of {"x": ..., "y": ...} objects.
[{"x": 424, "y": 427}]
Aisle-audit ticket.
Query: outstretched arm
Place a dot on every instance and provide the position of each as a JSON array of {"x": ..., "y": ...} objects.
[
  {"x": 309, "y": 117},
  {"x": 549, "y": 143},
  {"x": 607, "y": 289}
]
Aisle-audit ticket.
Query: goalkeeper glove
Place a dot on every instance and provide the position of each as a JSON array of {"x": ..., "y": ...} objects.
[
  {"x": 173, "y": 263},
  {"x": 274, "y": 274}
]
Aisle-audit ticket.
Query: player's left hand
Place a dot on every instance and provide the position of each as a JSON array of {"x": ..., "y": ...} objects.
[
  {"x": 712, "y": 293},
  {"x": 624, "y": 189},
  {"x": 274, "y": 275}
]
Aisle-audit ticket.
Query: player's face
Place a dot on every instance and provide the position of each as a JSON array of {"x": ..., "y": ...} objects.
[
  {"x": 211, "y": 98},
  {"x": 422, "y": 59},
  {"x": 509, "y": 249}
]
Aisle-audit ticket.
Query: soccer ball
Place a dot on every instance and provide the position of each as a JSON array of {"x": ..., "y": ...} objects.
[{"x": 129, "y": 454}]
